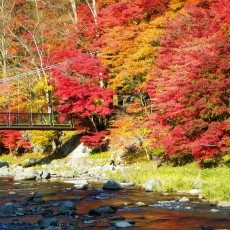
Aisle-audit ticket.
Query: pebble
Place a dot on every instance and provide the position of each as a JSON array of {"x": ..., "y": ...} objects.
[
  {"x": 140, "y": 204},
  {"x": 184, "y": 199}
]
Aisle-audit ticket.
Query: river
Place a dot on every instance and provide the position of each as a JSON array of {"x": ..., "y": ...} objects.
[{"x": 163, "y": 212}]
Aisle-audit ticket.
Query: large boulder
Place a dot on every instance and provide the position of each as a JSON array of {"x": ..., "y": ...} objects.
[
  {"x": 112, "y": 185},
  {"x": 66, "y": 207},
  {"x": 6, "y": 172},
  {"x": 3, "y": 164},
  {"x": 79, "y": 152},
  {"x": 79, "y": 184},
  {"x": 104, "y": 209},
  {"x": 46, "y": 223},
  {"x": 224, "y": 204},
  {"x": 67, "y": 174},
  {"x": 27, "y": 174},
  {"x": 149, "y": 185}
]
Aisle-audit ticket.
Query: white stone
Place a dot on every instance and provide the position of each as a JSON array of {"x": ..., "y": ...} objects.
[
  {"x": 184, "y": 199},
  {"x": 149, "y": 185},
  {"x": 80, "y": 151},
  {"x": 140, "y": 204},
  {"x": 194, "y": 191},
  {"x": 123, "y": 224},
  {"x": 224, "y": 204}
]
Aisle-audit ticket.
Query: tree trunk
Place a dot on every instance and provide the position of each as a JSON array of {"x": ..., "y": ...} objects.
[{"x": 74, "y": 9}]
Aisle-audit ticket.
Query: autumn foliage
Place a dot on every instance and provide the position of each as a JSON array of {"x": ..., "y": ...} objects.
[
  {"x": 13, "y": 140},
  {"x": 191, "y": 86},
  {"x": 81, "y": 93},
  {"x": 170, "y": 56}
]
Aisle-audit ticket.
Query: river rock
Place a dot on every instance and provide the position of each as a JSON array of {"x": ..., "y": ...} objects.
[
  {"x": 224, "y": 204},
  {"x": 79, "y": 184},
  {"x": 6, "y": 172},
  {"x": 37, "y": 195},
  {"x": 90, "y": 223},
  {"x": 16, "y": 168},
  {"x": 12, "y": 193},
  {"x": 7, "y": 210},
  {"x": 194, "y": 191},
  {"x": 67, "y": 174},
  {"x": 123, "y": 224},
  {"x": 112, "y": 185},
  {"x": 48, "y": 212},
  {"x": 38, "y": 201},
  {"x": 141, "y": 204},
  {"x": 66, "y": 207},
  {"x": 184, "y": 199},
  {"x": 84, "y": 184},
  {"x": 131, "y": 221},
  {"x": 47, "y": 222},
  {"x": 127, "y": 184},
  {"x": 149, "y": 185},
  {"x": 27, "y": 174},
  {"x": 4, "y": 164},
  {"x": 127, "y": 203},
  {"x": 24, "y": 203},
  {"x": 45, "y": 175},
  {"x": 108, "y": 209}
]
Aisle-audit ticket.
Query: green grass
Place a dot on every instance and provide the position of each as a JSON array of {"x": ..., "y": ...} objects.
[
  {"x": 13, "y": 159},
  {"x": 102, "y": 155},
  {"x": 215, "y": 181},
  {"x": 99, "y": 158}
]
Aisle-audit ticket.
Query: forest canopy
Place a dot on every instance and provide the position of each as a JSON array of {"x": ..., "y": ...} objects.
[{"x": 149, "y": 73}]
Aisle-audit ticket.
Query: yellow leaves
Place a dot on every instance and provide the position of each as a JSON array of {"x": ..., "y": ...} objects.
[
  {"x": 176, "y": 5},
  {"x": 41, "y": 86},
  {"x": 43, "y": 138},
  {"x": 131, "y": 56},
  {"x": 26, "y": 94},
  {"x": 121, "y": 133}
]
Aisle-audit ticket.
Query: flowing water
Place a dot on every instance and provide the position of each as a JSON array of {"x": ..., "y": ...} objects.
[{"x": 162, "y": 213}]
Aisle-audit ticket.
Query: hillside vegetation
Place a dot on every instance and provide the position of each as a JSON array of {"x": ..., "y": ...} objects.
[{"x": 140, "y": 77}]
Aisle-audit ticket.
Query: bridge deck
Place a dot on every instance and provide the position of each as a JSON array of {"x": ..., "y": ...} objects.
[
  {"x": 34, "y": 121},
  {"x": 37, "y": 127}
]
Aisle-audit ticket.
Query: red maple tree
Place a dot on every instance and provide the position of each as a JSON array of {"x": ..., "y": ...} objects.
[
  {"x": 13, "y": 140},
  {"x": 191, "y": 86},
  {"x": 80, "y": 88}
]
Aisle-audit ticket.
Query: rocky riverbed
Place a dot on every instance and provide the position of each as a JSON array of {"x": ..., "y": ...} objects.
[{"x": 50, "y": 198}]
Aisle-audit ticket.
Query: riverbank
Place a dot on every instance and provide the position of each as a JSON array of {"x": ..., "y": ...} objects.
[
  {"x": 55, "y": 204},
  {"x": 211, "y": 185}
]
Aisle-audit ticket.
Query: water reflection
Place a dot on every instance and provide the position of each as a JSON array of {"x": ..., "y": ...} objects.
[{"x": 161, "y": 212}]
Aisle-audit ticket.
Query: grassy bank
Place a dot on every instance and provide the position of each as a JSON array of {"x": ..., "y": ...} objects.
[
  {"x": 214, "y": 182},
  {"x": 14, "y": 159}
]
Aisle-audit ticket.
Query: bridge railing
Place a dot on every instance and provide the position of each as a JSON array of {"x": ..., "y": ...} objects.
[{"x": 33, "y": 119}]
